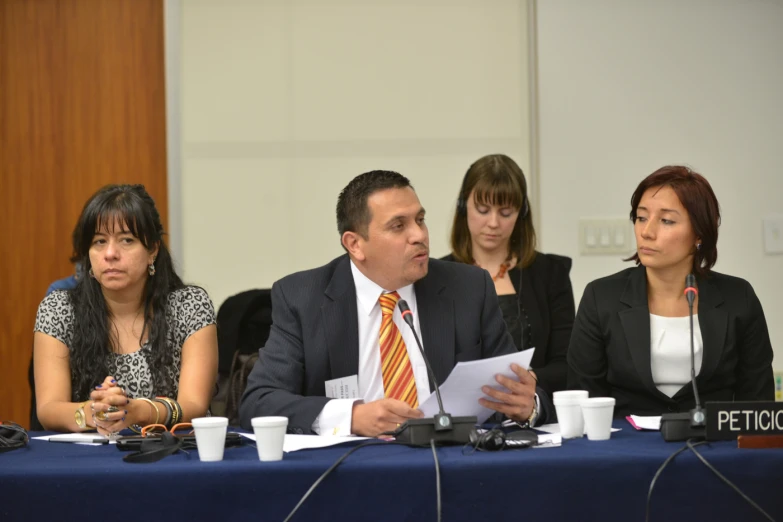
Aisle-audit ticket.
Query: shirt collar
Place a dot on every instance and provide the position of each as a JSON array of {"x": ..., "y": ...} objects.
[{"x": 368, "y": 292}]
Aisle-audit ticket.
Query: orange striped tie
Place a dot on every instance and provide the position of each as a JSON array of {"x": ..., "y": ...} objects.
[{"x": 398, "y": 381}]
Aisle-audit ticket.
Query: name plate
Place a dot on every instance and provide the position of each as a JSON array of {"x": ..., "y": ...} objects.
[{"x": 728, "y": 420}]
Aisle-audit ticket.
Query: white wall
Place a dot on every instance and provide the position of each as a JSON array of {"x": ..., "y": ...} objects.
[
  {"x": 627, "y": 86},
  {"x": 283, "y": 102}
]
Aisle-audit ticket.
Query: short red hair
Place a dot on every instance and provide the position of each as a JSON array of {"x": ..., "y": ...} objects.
[{"x": 696, "y": 195}]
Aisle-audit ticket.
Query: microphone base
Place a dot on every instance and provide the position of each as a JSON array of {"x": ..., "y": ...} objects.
[
  {"x": 419, "y": 432},
  {"x": 679, "y": 427}
]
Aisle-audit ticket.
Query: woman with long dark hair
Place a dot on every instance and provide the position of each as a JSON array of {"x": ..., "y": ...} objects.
[
  {"x": 493, "y": 228},
  {"x": 131, "y": 345}
]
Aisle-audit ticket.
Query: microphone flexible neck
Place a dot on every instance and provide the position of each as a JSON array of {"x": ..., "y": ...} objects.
[
  {"x": 690, "y": 294},
  {"x": 693, "y": 359},
  {"x": 429, "y": 369}
]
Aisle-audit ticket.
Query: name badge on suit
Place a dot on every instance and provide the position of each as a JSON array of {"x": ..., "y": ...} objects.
[{"x": 343, "y": 388}]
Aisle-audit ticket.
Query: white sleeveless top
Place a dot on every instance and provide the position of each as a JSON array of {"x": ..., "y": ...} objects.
[{"x": 670, "y": 351}]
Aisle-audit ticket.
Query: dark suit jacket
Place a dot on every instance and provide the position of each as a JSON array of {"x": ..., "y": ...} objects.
[
  {"x": 315, "y": 336},
  {"x": 548, "y": 300},
  {"x": 609, "y": 354}
]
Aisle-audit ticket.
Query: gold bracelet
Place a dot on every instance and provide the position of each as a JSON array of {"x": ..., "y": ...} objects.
[
  {"x": 152, "y": 405},
  {"x": 169, "y": 406},
  {"x": 176, "y": 409}
]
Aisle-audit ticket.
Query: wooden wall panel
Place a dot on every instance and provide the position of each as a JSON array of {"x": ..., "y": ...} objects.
[{"x": 82, "y": 104}]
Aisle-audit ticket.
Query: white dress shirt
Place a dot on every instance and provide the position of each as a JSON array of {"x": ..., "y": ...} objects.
[
  {"x": 670, "y": 351},
  {"x": 335, "y": 418}
]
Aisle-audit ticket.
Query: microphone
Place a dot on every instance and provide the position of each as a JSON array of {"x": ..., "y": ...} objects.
[
  {"x": 697, "y": 413},
  {"x": 683, "y": 426},
  {"x": 442, "y": 428}
]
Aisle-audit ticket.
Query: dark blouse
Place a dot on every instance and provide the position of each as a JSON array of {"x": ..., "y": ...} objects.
[
  {"x": 543, "y": 311},
  {"x": 516, "y": 320}
]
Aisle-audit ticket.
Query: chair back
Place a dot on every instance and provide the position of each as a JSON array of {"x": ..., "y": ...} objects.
[{"x": 243, "y": 322}]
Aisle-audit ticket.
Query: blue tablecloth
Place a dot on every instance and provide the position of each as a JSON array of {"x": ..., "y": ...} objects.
[{"x": 579, "y": 481}]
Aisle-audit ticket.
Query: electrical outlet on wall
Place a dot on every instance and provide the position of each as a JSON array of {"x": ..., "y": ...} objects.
[
  {"x": 773, "y": 235},
  {"x": 606, "y": 236}
]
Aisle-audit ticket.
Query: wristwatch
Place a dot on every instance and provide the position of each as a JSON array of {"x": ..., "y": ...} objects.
[
  {"x": 531, "y": 421},
  {"x": 81, "y": 418}
]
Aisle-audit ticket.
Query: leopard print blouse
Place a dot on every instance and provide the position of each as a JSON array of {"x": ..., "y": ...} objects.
[{"x": 189, "y": 310}]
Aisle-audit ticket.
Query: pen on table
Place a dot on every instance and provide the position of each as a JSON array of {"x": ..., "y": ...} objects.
[{"x": 70, "y": 441}]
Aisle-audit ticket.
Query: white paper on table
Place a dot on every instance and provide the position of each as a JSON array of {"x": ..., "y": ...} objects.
[
  {"x": 549, "y": 440},
  {"x": 76, "y": 438},
  {"x": 652, "y": 422},
  {"x": 555, "y": 428},
  {"x": 294, "y": 442},
  {"x": 462, "y": 390}
]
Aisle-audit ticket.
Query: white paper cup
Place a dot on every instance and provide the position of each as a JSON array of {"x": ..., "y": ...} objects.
[
  {"x": 598, "y": 413},
  {"x": 270, "y": 434},
  {"x": 210, "y": 437},
  {"x": 568, "y": 405}
]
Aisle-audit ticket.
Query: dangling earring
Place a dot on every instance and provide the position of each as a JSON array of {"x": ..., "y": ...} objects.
[
  {"x": 92, "y": 274},
  {"x": 151, "y": 268}
]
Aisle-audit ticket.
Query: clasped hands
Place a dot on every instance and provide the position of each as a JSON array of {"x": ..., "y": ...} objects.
[
  {"x": 516, "y": 402},
  {"x": 109, "y": 407}
]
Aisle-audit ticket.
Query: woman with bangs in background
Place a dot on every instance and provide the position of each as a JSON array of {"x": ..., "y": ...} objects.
[
  {"x": 131, "y": 344},
  {"x": 493, "y": 229}
]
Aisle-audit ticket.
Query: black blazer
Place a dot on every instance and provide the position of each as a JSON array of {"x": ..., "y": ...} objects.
[
  {"x": 548, "y": 299},
  {"x": 609, "y": 353},
  {"x": 315, "y": 336}
]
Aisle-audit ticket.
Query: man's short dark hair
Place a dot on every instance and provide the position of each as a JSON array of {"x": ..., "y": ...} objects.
[{"x": 353, "y": 213}]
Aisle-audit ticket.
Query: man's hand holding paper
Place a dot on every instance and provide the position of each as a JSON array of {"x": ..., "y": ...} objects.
[{"x": 511, "y": 392}]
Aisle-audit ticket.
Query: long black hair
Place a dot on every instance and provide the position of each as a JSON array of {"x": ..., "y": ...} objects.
[{"x": 93, "y": 343}]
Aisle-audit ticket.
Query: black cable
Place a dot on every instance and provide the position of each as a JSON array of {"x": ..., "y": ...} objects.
[
  {"x": 12, "y": 436},
  {"x": 345, "y": 456},
  {"x": 658, "y": 474},
  {"x": 655, "y": 479},
  {"x": 718, "y": 474},
  {"x": 437, "y": 476},
  {"x": 689, "y": 445},
  {"x": 331, "y": 468}
]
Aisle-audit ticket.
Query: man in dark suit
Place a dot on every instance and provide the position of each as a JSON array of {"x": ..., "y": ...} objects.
[{"x": 331, "y": 323}]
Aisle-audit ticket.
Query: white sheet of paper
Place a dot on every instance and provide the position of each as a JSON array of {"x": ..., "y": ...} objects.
[
  {"x": 647, "y": 422},
  {"x": 76, "y": 438},
  {"x": 549, "y": 440},
  {"x": 293, "y": 442},
  {"x": 462, "y": 389},
  {"x": 555, "y": 428},
  {"x": 343, "y": 388}
]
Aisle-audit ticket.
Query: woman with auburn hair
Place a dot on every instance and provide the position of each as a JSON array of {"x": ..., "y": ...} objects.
[
  {"x": 631, "y": 337},
  {"x": 130, "y": 345},
  {"x": 493, "y": 228}
]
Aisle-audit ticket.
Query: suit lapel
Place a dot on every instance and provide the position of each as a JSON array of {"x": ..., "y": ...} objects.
[
  {"x": 341, "y": 323},
  {"x": 526, "y": 291},
  {"x": 636, "y": 326},
  {"x": 436, "y": 317},
  {"x": 713, "y": 323}
]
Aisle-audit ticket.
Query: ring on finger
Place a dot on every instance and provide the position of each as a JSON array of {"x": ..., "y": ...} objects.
[
  {"x": 101, "y": 416},
  {"x": 112, "y": 409}
]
